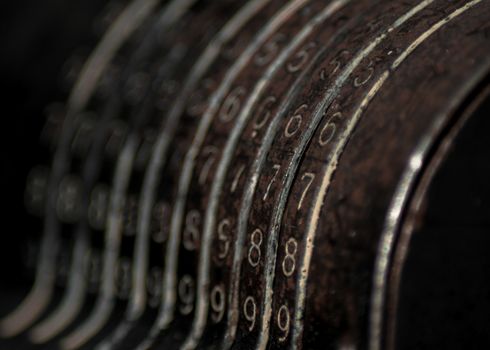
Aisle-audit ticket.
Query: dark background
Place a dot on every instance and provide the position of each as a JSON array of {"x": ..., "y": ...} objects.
[{"x": 36, "y": 39}]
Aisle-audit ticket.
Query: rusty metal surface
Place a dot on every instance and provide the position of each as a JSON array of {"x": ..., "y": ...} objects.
[{"x": 250, "y": 174}]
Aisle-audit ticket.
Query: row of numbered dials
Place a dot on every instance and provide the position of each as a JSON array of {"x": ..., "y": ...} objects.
[{"x": 182, "y": 204}]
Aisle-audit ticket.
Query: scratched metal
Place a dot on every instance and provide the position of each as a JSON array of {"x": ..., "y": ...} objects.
[
  {"x": 346, "y": 250},
  {"x": 180, "y": 280},
  {"x": 241, "y": 150},
  {"x": 280, "y": 167},
  {"x": 329, "y": 139},
  {"x": 214, "y": 297}
]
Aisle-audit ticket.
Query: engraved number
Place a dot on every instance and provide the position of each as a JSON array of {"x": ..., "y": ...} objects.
[
  {"x": 217, "y": 303},
  {"x": 254, "y": 252},
  {"x": 159, "y": 224},
  {"x": 250, "y": 311},
  {"x": 224, "y": 238},
  {"x": 154, "y": 286},
  {"x": 289, "y": 261},
  {"x": 210, "y": 152},
  {"x": 329, "y": 129},
  {"x": 309, "y": 178},
  {"x": 359, "y": 80},
  {"x": 263, "y": 114},
  {"x": 186, "y": 294},
  {"x": 336, "y": 63},
  {"x": 283, "y": 321},
  {"x": 68, "y": 203},
  {"x": 130, "y": 216},
  {"x": 269, "y": 50},
  {"x": 294, "y": 123},
  {"x": 300, "y": 58},
  {"x": 234, "y": 184},
  {"x": 191, "y": 230},
  {"x": 276, "y": 168},
  {"x": 231, "y": 105}
]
